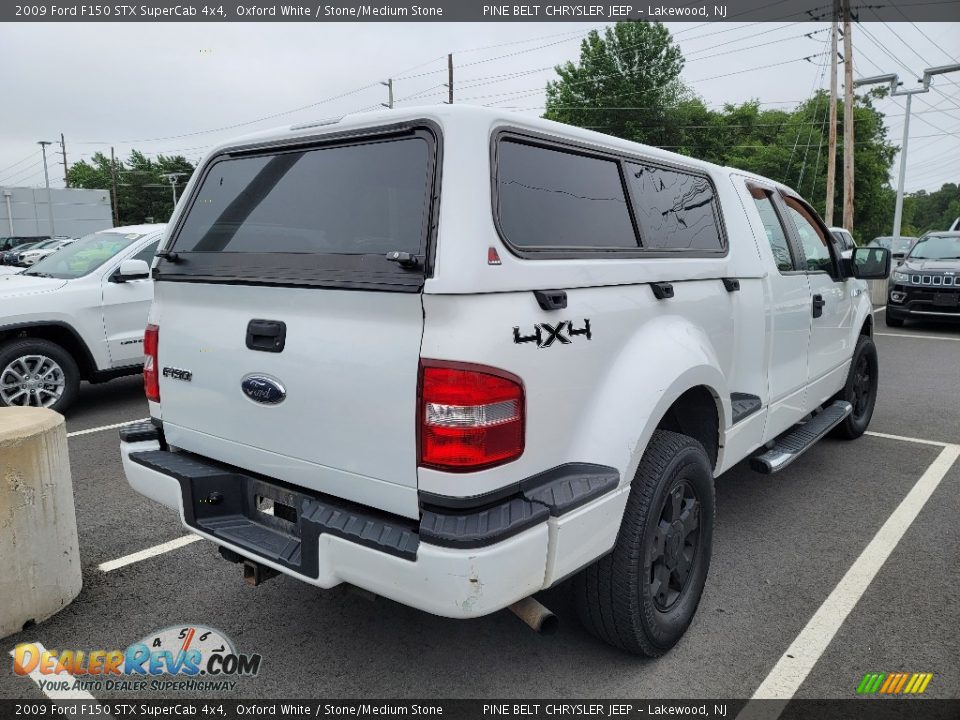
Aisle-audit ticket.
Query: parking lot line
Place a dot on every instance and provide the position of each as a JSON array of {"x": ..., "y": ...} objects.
[
  {"x": 876, "y": 310},
  {"x": 103, "y": 427},
  {"x": 919, "y": 337},
  {"x": 904, "y": 438},
  {"x": 51, "y": 692},
  {"x": 150, "y": 552},
  {"x": 795, "y": 664}
]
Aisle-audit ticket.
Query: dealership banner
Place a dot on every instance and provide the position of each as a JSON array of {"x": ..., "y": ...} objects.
[
  {"x": 483, "y": 709},
  {"x": 471, "y": 11}
]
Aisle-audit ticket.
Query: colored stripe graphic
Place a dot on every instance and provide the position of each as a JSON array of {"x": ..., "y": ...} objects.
[{"x": 894, "y": 683}]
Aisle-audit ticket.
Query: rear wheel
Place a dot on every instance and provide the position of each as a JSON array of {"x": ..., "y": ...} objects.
[
  {"x": 643, "y": 595},
  {"x": 860, "y": 390},
  {"x": 37, "y": 373}
]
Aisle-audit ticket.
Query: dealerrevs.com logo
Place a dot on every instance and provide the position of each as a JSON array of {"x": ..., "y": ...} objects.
[{"x": 189, "y": 658}]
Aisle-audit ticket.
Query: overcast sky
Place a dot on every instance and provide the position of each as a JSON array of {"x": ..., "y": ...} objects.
[{"x": 162, "y": 87}]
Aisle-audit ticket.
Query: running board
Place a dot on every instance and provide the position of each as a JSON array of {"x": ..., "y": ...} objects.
[{"x": 800, "y": 438}]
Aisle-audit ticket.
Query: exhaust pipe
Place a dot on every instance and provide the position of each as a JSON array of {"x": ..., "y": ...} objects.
[{"x": 539, "y": 618}]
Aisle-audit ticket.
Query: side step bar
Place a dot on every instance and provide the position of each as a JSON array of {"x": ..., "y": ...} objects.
[{"x": 800, "y": 438}]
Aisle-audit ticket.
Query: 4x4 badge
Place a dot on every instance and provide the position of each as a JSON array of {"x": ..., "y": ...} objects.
[{"x": 545, "y": 334}]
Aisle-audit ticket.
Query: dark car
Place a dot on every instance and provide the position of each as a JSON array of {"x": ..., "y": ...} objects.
[
  {"x": 927, "y": 284},
  {"x": 10, "y": 256},
  {"x": 12, "y": 241},
  {"x": 898, "y": 246}
]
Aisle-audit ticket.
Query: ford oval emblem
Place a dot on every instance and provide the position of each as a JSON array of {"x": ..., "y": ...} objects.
[{"x": 263, "y": 389}]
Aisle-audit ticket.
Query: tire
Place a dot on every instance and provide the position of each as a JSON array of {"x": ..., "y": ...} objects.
[
  {"x": 615, "y": 596},
  {"x": 891, "y": 320},
  {"x": 20, "y": 357},
  {"x": 859, "y": 391}
]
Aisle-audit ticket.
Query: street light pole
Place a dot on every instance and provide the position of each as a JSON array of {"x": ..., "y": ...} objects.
[
  {"x": 46, "y": 179},
  {"x": 894, "y": 82}
]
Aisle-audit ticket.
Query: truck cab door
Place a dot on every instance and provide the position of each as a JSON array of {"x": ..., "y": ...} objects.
[
  {"x": 788, "y": 301},
  {"x": 831, "y": 307},
  {"x": 125, "y": 308}
]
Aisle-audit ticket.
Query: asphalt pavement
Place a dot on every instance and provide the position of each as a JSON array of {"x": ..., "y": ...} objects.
[{"x": 783, "y": 545}]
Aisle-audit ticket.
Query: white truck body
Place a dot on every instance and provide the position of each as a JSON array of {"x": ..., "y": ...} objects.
[{"x": 734, "y": 353}]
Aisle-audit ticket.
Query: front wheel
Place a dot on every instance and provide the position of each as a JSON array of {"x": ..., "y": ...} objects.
[
  {"x": 643, "y": 595},
  {"x": 860, "y": 390},
  {"x": 37, "y": 373}
]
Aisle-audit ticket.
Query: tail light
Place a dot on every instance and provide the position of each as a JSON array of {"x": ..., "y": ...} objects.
[
  {"x": 471, "y": 416},
  {"x": 151, "y": 369}
]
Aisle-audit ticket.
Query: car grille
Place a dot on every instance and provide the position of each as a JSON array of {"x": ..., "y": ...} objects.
[{"x": 935, "y": 280}]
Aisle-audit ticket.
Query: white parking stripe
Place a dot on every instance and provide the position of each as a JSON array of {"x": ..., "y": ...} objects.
[
  {"x": 103, "y": 427},
  {"x": 51, "y": 693},
  {"x": 904, "y": 438},
  {"x": 791, "y": 670},
  {"x": 150, "y": 552},
  {"x": 882, "y": 307},
  {"x": 919, "y": 337}
]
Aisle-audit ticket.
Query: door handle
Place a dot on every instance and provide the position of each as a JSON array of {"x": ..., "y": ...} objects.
[
  {"x": 818, "y": 303},
  {"x": 266, "y": 335}
]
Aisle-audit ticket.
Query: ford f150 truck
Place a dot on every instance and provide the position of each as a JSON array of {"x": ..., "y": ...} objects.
[{"x": 454, "y": 356}]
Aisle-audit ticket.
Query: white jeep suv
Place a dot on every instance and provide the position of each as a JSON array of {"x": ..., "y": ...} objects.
[
  {"x": 454, "y": 356},
  {"x": 78, "y": 314}
]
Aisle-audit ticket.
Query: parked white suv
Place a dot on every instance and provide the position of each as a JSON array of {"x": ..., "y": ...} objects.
[
  {"x": 78, "y": 314},
  {"x": 454, "y": 356}
]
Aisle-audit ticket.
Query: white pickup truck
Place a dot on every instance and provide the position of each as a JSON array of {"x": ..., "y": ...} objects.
[
  {"x": 77, "y": 314},
  {"x": 454, "y": 356}
]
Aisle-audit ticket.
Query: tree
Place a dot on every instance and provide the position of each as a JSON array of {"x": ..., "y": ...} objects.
[
  {"x": 625, "y": 83},
  {"x": 143, "y": 188}
]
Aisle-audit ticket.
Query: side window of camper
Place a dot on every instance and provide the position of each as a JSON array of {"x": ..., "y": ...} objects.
[
  {"x": 773, "y": 229},
  {"x": 675, "y": 210},
  {"x": 553, "y": 198}
]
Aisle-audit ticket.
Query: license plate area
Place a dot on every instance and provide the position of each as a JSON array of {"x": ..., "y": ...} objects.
[{"x": 946, "y": 299}]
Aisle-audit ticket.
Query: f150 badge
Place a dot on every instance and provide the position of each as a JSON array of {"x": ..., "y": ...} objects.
[
  {"x": 263, "y": 389},
  {"x": 545, "y": 334}
]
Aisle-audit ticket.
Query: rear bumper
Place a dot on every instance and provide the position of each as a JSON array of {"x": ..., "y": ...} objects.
[{"x": 454, "y": 564}]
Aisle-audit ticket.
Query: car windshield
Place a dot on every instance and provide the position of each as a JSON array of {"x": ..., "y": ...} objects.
[
  {"x": 84, "y": 256},
  {"x": 24, "y": 246},
  {"x": 937, "y": 247},
  {"x": 47, "y": 244}
]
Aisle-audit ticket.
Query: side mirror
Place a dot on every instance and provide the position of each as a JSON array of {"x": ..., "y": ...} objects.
[
  {"x": 870, "y": 263},
  {"x": 131, "y": 270}
]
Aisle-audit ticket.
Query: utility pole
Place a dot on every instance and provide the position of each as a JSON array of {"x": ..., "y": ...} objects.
[
  {"x": 847, "y": 118},
  {"x": 894, "y": 81},
  {"x": 450, "y": 78},
  {"x": 63, "y": 151},
  {"x": 46, "y": 179},
  {"x": 389, "y": 85},
  {"x": 113, "y": 180},
  {"x": 832, "y": 146},
  {"x": 172, "y": 179}
]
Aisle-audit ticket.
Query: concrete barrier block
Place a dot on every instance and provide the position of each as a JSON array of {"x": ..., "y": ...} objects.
[{"x": 39, "y": 552}]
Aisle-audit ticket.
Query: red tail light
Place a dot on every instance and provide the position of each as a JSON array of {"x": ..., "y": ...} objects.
[
  {"x": 151, "y": 369},
  {"x": 471, "y": 416}
]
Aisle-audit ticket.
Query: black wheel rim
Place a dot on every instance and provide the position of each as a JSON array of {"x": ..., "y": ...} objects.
[
  {"x": 863, "y": 381},
  {"x": 674, "y": 545}
]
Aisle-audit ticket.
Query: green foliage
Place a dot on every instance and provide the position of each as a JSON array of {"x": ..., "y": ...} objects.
[
  {"x": 923, "y": 211},
  {"x": 143, "y": 189},
  {"x": 628, "y": 84},
  {"x": 634, "y": 65}
]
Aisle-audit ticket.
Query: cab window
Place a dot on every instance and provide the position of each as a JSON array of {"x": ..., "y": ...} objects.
[
  {"x": 773, "y": 229},
  {"x": 812, "y": 238}
]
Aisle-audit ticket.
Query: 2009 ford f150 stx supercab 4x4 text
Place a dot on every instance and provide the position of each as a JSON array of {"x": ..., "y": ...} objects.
[{"x": 454, "y": 356}]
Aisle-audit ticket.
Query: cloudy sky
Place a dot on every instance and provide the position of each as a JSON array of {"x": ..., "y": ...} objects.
[{"x": 176, "y": 88}]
